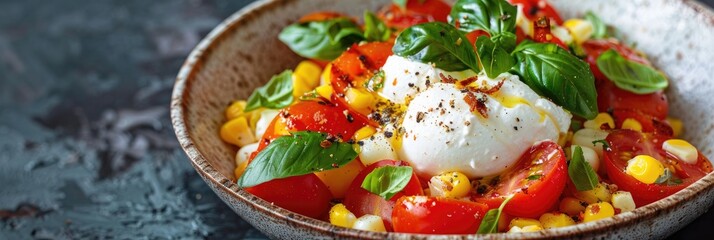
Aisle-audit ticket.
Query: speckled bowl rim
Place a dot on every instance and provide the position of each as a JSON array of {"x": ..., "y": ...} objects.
[{"x": 203, "y": 51}]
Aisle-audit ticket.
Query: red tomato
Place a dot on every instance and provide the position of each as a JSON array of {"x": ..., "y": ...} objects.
[
  {"x": 535, "y": 196},
  {"x": 306, "y": 194},
  {"x": 534, "y": 9},
  {"x": 422, "y": 214},
  {"x": 611, "y": 98},
  {"x": 649, "y": 124},
  {"x": 360, "y": 201},
  {"x": 541, "y": 33},
  {"x": 593, "y": 49},
  {"x": 416, "y": 12},
  {"x": 626, "y": 144}
]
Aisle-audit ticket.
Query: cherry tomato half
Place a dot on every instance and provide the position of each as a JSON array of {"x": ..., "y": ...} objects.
[
  {"x": 626, "y": 144},
  {"x": 611, "y": 98},
  {"x": 422, "y": 214},
  {"x": 360, "y": 201},
  {"x": 536, "y": 181},
  {"x": 416, "y": 12},
  {"x": 305, "y": 194}
]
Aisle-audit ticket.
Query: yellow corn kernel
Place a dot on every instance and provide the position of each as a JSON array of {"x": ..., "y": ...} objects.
[
  {"x": 572, "y": 206},
  {"x": 326, "y": 75},
  {"x": 524, "y": 222},
  {"x": 338, "y": 180},
  {"x": 370, "y": 223},
  {"x": 599, "y": 120},
  {"x": 360, "y": 100},
  {"x": 645, "y": 169},
  {"x": 300, "y": 87},
  {"x": 682, "y": 150},
  {"x": 632, "y": 124},
  {"x": 309, "y": 72},
  {"x": 364, "y": 132},
  {"x": 677, "y": 126},
  {"x": 601, "y": 193},
  {"x": 235, "y": 110},
  {"x": 237, "y": 132},
  {"x": 324, "y": 91},
  {"x": 531, "y": 228},
  {"x": 340, "y": 216},
  {"x": 450, "y": 185},
  {"x": 597, "y": 211},
  {"x": 555, "y": 220},
  {"x": 623, "y": 201},
  {"x": 580, "y": 29}
]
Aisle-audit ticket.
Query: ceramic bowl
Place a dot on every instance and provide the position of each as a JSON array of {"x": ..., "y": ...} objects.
[{"x": 243, "y": 52}]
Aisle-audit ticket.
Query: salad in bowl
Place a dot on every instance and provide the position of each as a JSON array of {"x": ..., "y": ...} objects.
[{"x": 480, "y": 116}]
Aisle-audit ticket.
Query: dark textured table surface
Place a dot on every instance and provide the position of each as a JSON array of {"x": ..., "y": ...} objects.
[{"x": 86, "y": 146}]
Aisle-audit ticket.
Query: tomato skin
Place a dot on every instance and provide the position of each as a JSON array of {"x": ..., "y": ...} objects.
[
  {"x": 625, "y": 144},
  {"x": 649, "y": 123},
  {"x": 360, "y": 201},
  {"x": 542, "y": 34},
  {"x": 594, "y": 48},
  {"x": 422, "y": 214},
  {"x": 305, "y": 194},
  {"x": 534, "y": 9},
  {"x": 416, "y": 12},
  {"x": 531, "y": 197},
  {"x": 611, "y": 98}
]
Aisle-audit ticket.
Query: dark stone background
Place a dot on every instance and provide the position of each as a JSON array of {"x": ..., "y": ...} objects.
[{"x": 86, "y": 145}]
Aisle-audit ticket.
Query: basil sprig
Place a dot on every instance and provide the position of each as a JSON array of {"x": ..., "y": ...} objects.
[
  {"x": 298, "y": 154},
  {"x": 438, "y": 43},
  {"x": 558, "y": 75},
  {"x": 324, "y": 40},
  {"x": 494, "y": 59},
  {"x": 387, "y": 181},
  {"x": 599, "y": 27},
  {"x": 375, "y": 29},
  {"x": 276, "y": 94},
  {"x": 497, "y": 17},
  {"x": 629, "y": 75},
  {"x": 489, "y": 224},
  {"x": 581, "y": 173}
]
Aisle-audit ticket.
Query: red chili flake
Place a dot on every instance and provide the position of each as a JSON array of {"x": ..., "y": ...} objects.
[
  {"x": 468, "y": 81},
  {"x": 447, "y": 79},
  {"x": 490, "y": 90},
  {"x": 325, "y": 143},
  {"x": 595, "y": 209},
  {"x": 476, "y": 104}
]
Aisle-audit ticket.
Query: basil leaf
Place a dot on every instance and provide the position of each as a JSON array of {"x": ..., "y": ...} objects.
[
  {"x": 276, "y": 94},
  {"x": 387, "y": 181},
  {"x": 535, "y": 177},
  {"x": 494, "y": 59},
  {"x": 556, "y": 74},
  {"x": 324, "y": 40},
  {"x": 497, "y": 17},
  {"x": 437, "y": 43},
  {"x": 489, "y": 224},
  {"x": 599, "y": 27},
  {"x": 581, "y": 173},
  {"x": 631, "y": 76},
  {"x": 298, "y": 154},
  {"x": 605, "y": 144},
  {"x": 375, "y": 29}
]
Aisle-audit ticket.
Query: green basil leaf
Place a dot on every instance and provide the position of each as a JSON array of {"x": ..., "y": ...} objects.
[
  {"x": 583, "y": 176},
  {"x": 493, "y": 16},
  {"x": 631, "y": 76},
  {"x": 599, "y": 27},
  {"x": 535, "y": 177},
  {"x": 494, "y": 59},
  {"x": 276, "y": 94},
  {"x": 324, "y": 40},
  {"x": 298, "y": 154},
  {"x": 387, "y": 181},
  {"x": 556, "y": 74},
  {"x": 605, "y": 144},
  {"x": 439, "y": 44},
  {"x": 375, "y": 29},
  {"x": 489, "y": 224}
]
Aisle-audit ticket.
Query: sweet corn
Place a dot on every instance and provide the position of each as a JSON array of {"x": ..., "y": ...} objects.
[
  {"x": 325, "y": 91},
  {"x": 589, "y": 154},
  {"x": 341, "y": 216},
  {"x": 237, "y": 132},
  {"x": 524, "y": 222},
  {"x": 677, "y": 126},
  {"x": 623, "y": 201},
  {"x": 360, "y": 100},
  {"x": 364, "y": 132},
  {"x": 682, "y": 150},
  {"x": 597, "y": 211},
  {"x": 601, "y": 193},
  {"x": 338, "y": 180},
  {"x": 242, "y": 157},
  {"x": 645, "y": 169},
  {"x": 555, "y": 220},
  {"x": 370, "y": 223},
  {"x": 572, "y": 206},
  {"x": 632, "y": 124},
  {"x": 580, "y": 29},
  {"x": 586, "y": 136},
  {"x": 531, "y": 228},
  {"x": 326, "y": 75},
  {"x": 309, "y": 72},
  {"x": 449, "y": 185},
  {"x": 300, "y": 86},
  {"x": 599, "y": 120},
  {"x": 235, "y": 110}
]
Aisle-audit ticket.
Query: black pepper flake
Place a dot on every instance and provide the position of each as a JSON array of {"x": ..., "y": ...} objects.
[
  {"x": 481, "y": 189},
  {"x": 518, "y": 120},
  {"x": 349, "y": 117},
  {"x": 284, "y": 114},
  {"x": 420, "y": 116},
  {"x": 388, "y": 134},
  {"x": 416, "y": 73},
  {"x": 515, "y": 128},
  {"x": 351, "y": 141},
  {"x": 411, "y": 84},
  {"x": 361, "y": 143},
  {"x": 428, "y": 83}
]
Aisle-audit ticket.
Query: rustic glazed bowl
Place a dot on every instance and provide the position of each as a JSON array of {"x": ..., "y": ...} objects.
[{"x": 243, "y": 52}]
